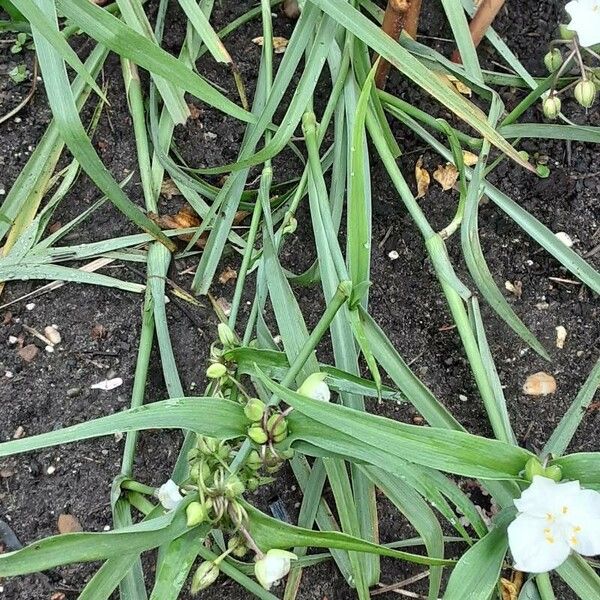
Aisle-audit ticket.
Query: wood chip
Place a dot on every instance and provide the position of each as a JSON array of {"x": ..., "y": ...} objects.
[
  {"x": 29, "y": 352},
  {"x": 68, "y": 524},
  {"x": 561, "y": 336},
  {"x": 446, "y": 175},
  {"x": 539, "y": 384},
  {"x": 469, "y": 158},
  {"x": 422, "y": 177},
  {"x": 19, "y": 433}
]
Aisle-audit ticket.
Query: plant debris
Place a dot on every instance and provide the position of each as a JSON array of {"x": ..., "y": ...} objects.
[
  {"x": 279, "y": 43},
  {"x": 446, "y": 175},
  {"x": 561, "y": 336},
  {"x": 422, "y": 177},
  {"x": 539, "y": 384},
  {"x": 107, "y": 384}
]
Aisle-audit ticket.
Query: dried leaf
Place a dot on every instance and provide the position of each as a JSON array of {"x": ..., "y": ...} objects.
[
  {"x": 279, "y": 43},
  {"x": 68, "y": 524},
  {"x": 515, "y": 288},
  {"x": 459, "y": 86},
  {"x": 422, "y": 177},
  {"x": 184, "y": 218},
  {"x": 539, "y": 384},
  {"x": 169, "y": 189},
  {"x": 195, "y": 113},
  {"x": 446, "y": 175},
  {"x": 469, "y": 158},
  {"x": 291, "y": 9},
  {"x": 509, "y": 590},
  {"x": 228, "y": 274},
  {"x": 561, "y": 336}
]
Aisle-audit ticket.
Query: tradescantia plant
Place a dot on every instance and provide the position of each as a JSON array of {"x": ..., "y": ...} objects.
[{"x": 269, "y": 406}]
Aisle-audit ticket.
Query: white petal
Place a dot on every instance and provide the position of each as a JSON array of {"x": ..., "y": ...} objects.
[
  {"x": 585, "y": 20},
  {"x": 168, "y": 495},
  {"x": 582, "y": 523},
  {"x": 536, "y": 546},
  {"x": 273, "y": 566},
  {"x": 587, "y": 541},
  {"x": 314, "y": 387},
  {"x": 544, "y": 496}
]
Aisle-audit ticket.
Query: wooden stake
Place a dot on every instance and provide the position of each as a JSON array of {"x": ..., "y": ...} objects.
[
  {"x": 393, "y": 23},
  {"x": 483, "y": 18}
]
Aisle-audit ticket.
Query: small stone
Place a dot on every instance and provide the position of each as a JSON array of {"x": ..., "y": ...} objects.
[
  {"x": 539, "y": 384},
  {"x": 565, "y": 238},
  {"x": 9, "y": 374},
  {"x": 29, "y": 352},
  {"x": 561, "y": 336},
  {"x": 52, "y": 334},
  {"x": 6, "y": 472},
  {"x": 393, "y": 255},
  {"x": 74, "y": 391},
  {"x": 51, "y": 470},
  {"x": 49, "y": 349},
  {"x": 68, "y": 524},
  {"x": 19, "y": 433},
  {"x": 12, "y": 339},
  {"x": 30, "y": 306},
  {"x": 462, "y": 398}
]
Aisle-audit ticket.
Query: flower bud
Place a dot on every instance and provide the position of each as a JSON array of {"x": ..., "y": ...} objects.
[
  {"x": 257, "y": 434},
  {"x": 254, "y": 461},
  {"x": 200, "y": 471},
  {"x": 207, "y": 445},
  {"x": 196, "y": 513},
  {"x": 585, "y": 93},
  {"x": 252, "y": 484},
  {"x": 273, "y": 566},
  {"x": 223, "y": 451},
  {"x": 553, "y": 472},
  {"x": 276, "y": 425},
  {"x": 234, "y": 487},
  {"x": 553, "y": 60},
  {"x": 565, "y": 32},
  {"x": 533, "y": 467},
  {"x": 254, "y": 409},
  {"x": 314, "y": 386},
  {"x": 551, "y": 107},
  {"x": 205, "y": 575},
  {"x": 237, "y": 546},
  {"x": 226, "y": 335},
  {"x": 287, "y": 454},
  {"x": 216, "y": 371},
  {"x": 291, "y": 226}
]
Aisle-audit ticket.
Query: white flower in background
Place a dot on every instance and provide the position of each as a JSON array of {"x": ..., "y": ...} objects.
[
  {"x": 554, "y": 518},
  {"x": 272, "y": 567},
  {"x": 314, "y": 386},
  {"x": 585, "y": 20},
  {"x": 168, "y": 494}
]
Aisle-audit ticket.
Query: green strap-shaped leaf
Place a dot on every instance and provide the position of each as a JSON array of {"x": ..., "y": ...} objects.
[
  {"x": 355, "y": 22},
  {"x": 580, "y": 577},
  {"x": 271, "y": 533},
  {"x": 582, "y": 466},
  {"x": 477, "y": 572},
  {"x": 226, "y": 421}
]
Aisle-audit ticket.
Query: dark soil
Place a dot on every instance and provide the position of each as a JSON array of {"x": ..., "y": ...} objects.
[{"x": 53, "y": 390}]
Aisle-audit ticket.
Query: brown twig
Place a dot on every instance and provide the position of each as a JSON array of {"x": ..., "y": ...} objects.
[
  {"x": 393, "y": 23},
  {"x": 483, "y": 18},
  {"x": 413, "y": 13}
]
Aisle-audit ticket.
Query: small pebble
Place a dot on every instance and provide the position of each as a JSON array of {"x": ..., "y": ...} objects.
[
  {"x": 19, "y": 433},
  {"x": 74, "y": 391},
  {"x": 30, "y": 306},
  {"x": 564, "y": 238},
  {"x": 8, "y": 374},
  {"x": 393, "y": 255},
  {"x": 51, "y": 469},
  {"x": 462, "y": 398},
  {"x": 52, "y": 334},
  {"x": 107, "y": 528},
  {"x": 49, "y": 349},
  {"x": 12, "y": 339}
]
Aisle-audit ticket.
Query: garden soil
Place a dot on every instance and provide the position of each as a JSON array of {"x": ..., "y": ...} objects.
[{"x": 100, "y": 327}]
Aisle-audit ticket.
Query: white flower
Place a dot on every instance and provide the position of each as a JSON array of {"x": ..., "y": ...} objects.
[
  {"x": 272, "y": 567},
  {"x": 168, "y": 494},
  {"x": 585, "y": 20},
  {"x": 314, "y": 387},
  {"x": 554, "y": 518}
]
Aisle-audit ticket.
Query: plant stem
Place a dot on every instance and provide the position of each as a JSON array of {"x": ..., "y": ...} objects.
[
  {"x": 413, "y": 13},
  {"x": 485, "y": 15},
  {"x": 393, "y": 23}
]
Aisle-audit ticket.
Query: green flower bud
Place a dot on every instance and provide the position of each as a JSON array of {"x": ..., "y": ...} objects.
[
  {"x": 200, "y": 471},
  {"x": 237, "y": 546},
  {"x": 254, "y": 409},
  {"x": 565, "y": 33},
  {"x": 205, "y": 575},
  {"x": 208, "y": 445},
  {"x": 257, "y": 434},
  {"x": 226, "y": 335},
  {"x": 277, "y": 425},
  {"x": 196, "y": 513},
  {"x": 252, "y": 484},
  {"x": 254, "y": 461},
  {"x": 224, "y": 451},
  {"x": 553, "y": 472},
  {"x": 533, "y": 467},
  {"x": 585, "y": 93},
  {"x": 216, "y": 371},
  {"x": 291, "y": 226},
  {"x": 553, "y": 60},
  {"x": 287, "y": 454},
  {"x": 234, "y": 487},
  {"x": 551, "y": 107}
]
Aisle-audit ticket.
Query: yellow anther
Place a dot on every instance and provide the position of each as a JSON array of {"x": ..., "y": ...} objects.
[{"x": 565, "y": 510}]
